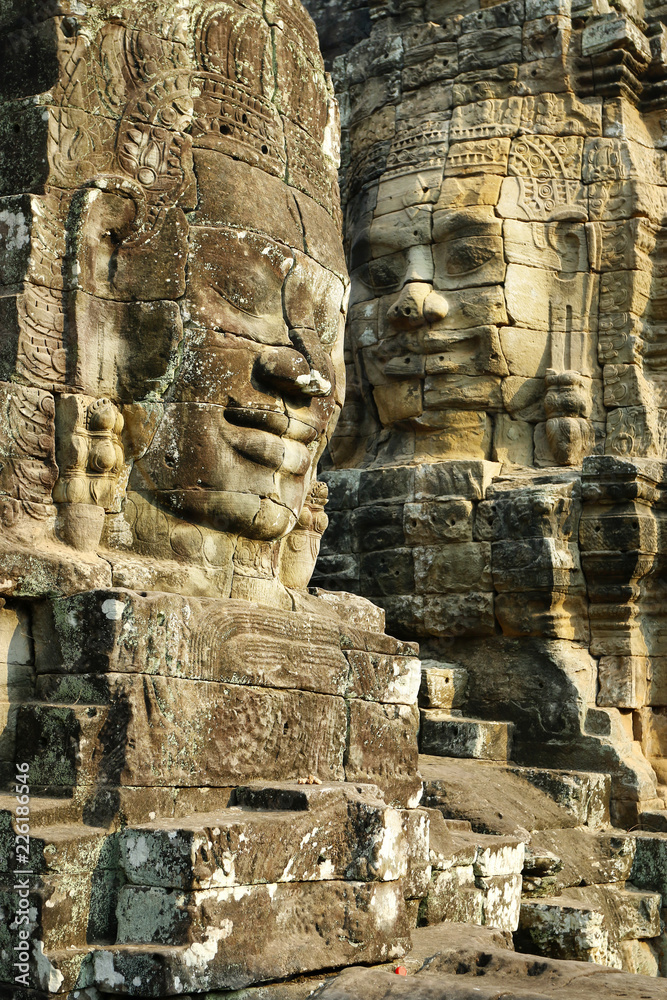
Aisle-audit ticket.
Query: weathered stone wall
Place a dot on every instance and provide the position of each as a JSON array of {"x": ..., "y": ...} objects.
[{"x": 498, "y": 469}]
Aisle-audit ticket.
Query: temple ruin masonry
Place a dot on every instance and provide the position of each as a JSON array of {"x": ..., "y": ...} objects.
[{"x": 308, "y": 690}]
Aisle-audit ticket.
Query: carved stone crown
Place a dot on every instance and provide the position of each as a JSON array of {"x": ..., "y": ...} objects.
[
  {"x": 258, "y": 91},
  {"x": 239, "y": 77}
]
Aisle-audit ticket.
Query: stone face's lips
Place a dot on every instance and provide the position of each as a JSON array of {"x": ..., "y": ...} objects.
[
  {"x": 259, "y": 435},
  {"x": 270, "y": 421},
  {"x": 273, "y": 421}
]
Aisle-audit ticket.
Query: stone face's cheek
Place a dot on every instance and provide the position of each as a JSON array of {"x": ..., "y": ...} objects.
[
  {"x": 314, "y": 299},
  {"x": 210, "y": 373}
]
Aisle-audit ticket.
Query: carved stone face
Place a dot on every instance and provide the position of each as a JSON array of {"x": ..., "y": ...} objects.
[
  {"x": 436, "y": 271},
  {"x": 206, "y": 284},
  {"x": 494, "y": 213},
  {"x": 260, "y": 378}
]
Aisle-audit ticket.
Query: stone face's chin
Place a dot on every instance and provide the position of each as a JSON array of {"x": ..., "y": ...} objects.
[{"x": 246, "y": 514}]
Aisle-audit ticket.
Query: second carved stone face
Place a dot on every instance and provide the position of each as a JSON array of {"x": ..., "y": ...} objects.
[
  {"x": 434, "y": 273},
  {"x": 503, "y": 223}
]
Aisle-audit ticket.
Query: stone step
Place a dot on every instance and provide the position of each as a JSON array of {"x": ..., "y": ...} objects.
[
  {"x": 63, "y": 849},
  {"x": 559, "y": 859},
  {"x": 109, "y": 807},
  {"x": 161, "y": 737},
  {"x": 444, "y": 735},
  {"x": 589, "y": 924},
  {"x": 281, "y": 862},
  {"x": 508, "y": 799},
  {"x": 653, "y": 820},
  {"x": 228, "y": 938},
  {"x": 73, "y": 884},
  {"x": 44, "y": 810},
  {"x": 64, "y": 910},
  {"x": 51, "y": 738},
  {"x": 475, "y": 878},
  {"x": 55, "y": 972},
  {"x": 273, "y": 834},
  {"x": 72, "y": 879},
  {"x": 661, "y": 791}
]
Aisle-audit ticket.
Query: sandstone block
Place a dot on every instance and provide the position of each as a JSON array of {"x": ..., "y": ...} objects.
[
  {"x": 648, "y": 867},
  {"x": 504, "y": 800},
  {"x": 502, "y": 901},
  {"x": 536, "y": 563},
  {"x": 546, "y": 37},
  {"x": 337, "y": 570},
  {"x": 444, "y": 735},
  {"x": 382, "y": 748},
  {"x": 512, "y": 441},
  {"x": 214, "y": 928},
  {"x": 351, "y": 608},
  {"x": 451, "y": 615},
  {"x": 387, "y": 572},
  {"x": 452, "y": 896},
  {"x": 359, "y": 839},
  {"x": 581, "y": 858},
  {"x": 438, "y": 521},
  {"x": 623, "y": 681},
  {"x": 442, "y": 685},
  {"x": 469, "y": 480},
  {"x": 493, "y": 47},
  {"x": 545, "y": 8},
  {"x": 559, "y": 930},
  {"x": 416, "y": 824},
  {"x": 377, "y": 526},
  {"x": 498, "y": 856},
  {"x": 377, "y": 677},
  {"x": 607, "y": 33},
  {"x": 497, "y": 15},
  {"x": 449, "y": 847},
  {"x": 640, "y": 958},
  {"x": 59, "y": 916},
  {"x": 386, "y": 485},
  {"x": 456, "y": 567},
  {"x": 165, "y": 731},
  {"x": 485, "y": 156},
  {"x": 343, "y": 487}
]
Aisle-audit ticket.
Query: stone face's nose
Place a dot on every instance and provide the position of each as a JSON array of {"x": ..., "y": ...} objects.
[{"x": 417, "y": 304}]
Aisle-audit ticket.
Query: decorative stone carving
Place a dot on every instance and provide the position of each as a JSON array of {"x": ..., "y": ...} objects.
[
  {"x": 203, "y": 329},
  {"x": 567, "y": 405}
]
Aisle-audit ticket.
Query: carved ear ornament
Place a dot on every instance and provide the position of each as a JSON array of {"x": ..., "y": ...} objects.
[{"x": 82, "y": 202}]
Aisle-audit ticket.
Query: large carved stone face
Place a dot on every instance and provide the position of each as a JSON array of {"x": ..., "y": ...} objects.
[
  {"x": 259, "y": 380},
  {"x": 187, "y": 284}
]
